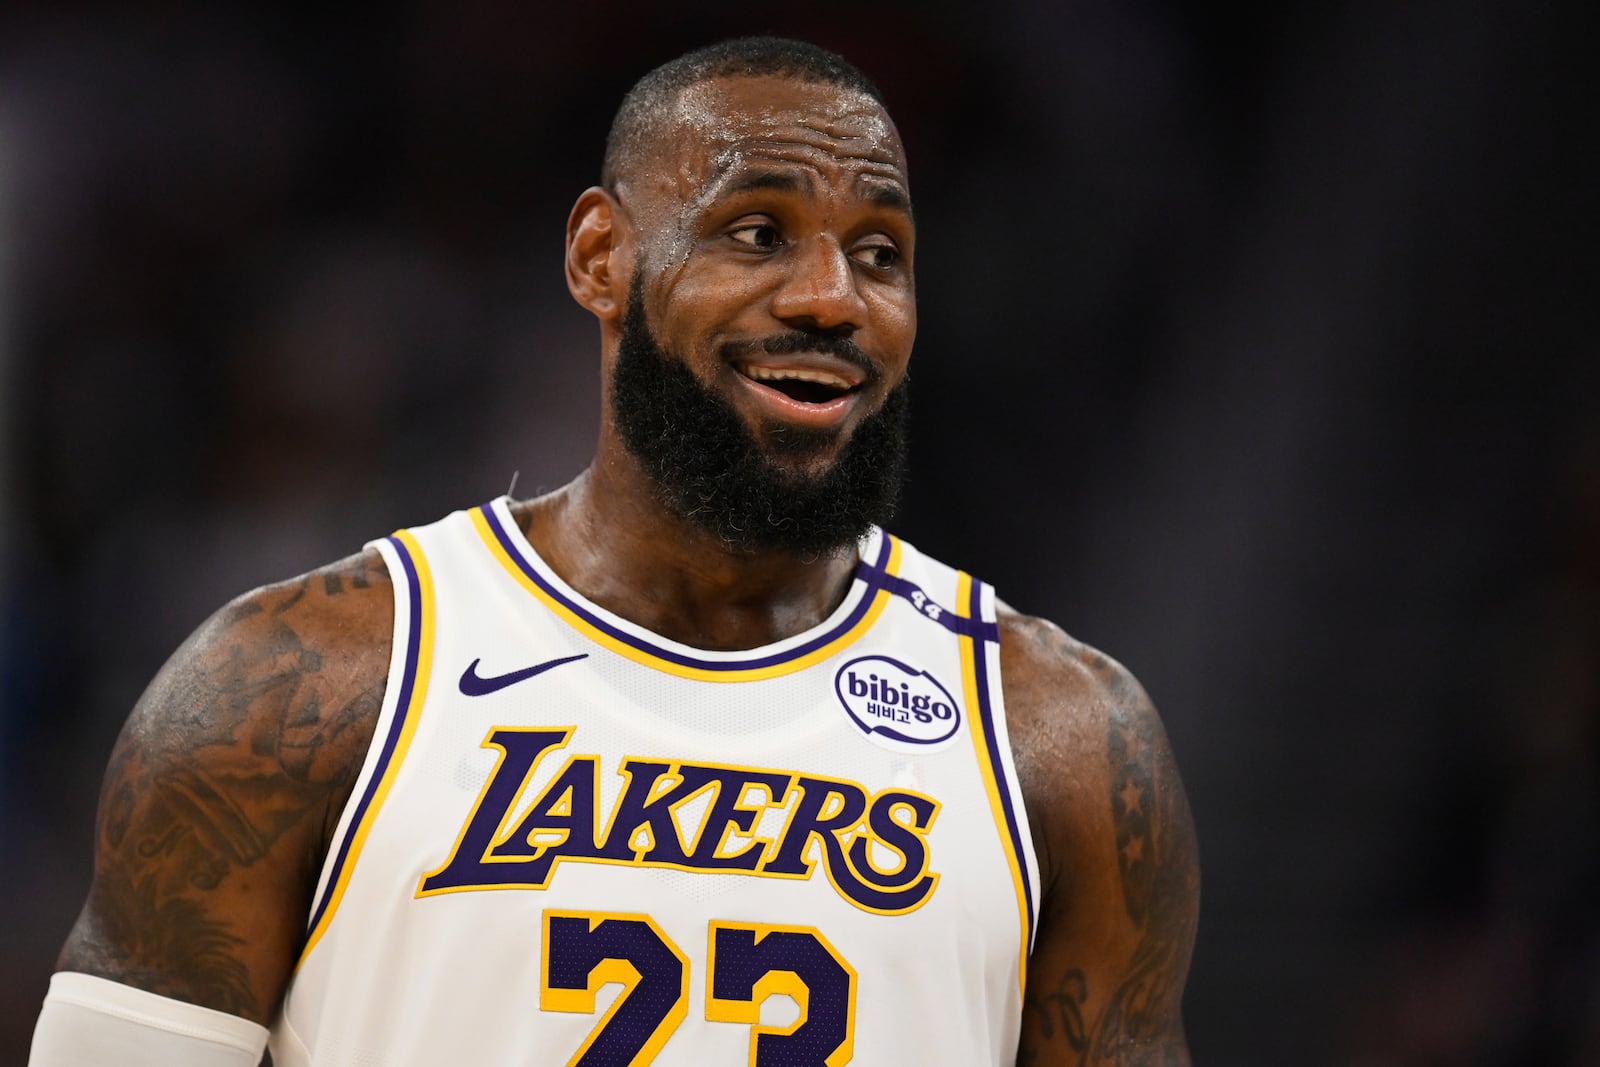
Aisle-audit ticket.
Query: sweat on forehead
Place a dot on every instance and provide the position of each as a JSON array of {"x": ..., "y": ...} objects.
[{"x": 654, "y": 106}]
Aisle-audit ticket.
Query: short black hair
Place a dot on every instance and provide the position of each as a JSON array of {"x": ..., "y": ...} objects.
[{"x": 653, "y": 95}]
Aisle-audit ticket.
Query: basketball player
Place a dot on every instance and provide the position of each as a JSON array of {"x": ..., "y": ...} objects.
[{"x": 688, "y": 762}]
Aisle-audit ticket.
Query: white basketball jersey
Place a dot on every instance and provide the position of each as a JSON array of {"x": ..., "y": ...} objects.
[{"x": 576, "y": 842}]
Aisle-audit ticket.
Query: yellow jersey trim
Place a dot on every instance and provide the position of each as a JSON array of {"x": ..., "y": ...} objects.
[
  {"x": 419, "y": 630},
  {"x": 641, "y": 651},
  {"x": 988, "y": 763}
]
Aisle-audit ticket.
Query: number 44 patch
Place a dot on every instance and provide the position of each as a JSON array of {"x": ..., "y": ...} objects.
[{"x": 748, "y": 962}]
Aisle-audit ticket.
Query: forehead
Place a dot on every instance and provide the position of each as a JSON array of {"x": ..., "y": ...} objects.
[{"x": 726, "y": 124}]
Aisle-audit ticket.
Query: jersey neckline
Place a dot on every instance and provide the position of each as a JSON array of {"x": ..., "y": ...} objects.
[{"x": 862, "y": 604}]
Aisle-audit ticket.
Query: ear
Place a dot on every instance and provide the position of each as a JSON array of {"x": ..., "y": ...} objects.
[{"x": 596, "y": 234}]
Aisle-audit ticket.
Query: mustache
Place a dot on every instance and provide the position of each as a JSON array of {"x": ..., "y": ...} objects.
[{"x": 787, "y": 344}]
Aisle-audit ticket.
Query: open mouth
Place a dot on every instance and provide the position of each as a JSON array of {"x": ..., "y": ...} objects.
[{"x": 803, "y": 385}]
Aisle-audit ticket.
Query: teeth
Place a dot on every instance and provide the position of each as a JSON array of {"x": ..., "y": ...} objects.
[{"x": 796, "y": 374}]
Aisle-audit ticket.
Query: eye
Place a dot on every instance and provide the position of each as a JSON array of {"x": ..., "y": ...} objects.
[
  {"x": 882, "y": 256},
  {"x": 758, "y": 235}
]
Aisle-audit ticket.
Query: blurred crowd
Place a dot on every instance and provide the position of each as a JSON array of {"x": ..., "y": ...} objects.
[{"x": 1257, "y": 347}]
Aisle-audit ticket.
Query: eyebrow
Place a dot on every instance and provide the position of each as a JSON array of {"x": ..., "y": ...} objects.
[
  {"x": 890, "y": 196},
  {"x": 874, "y": 192},
  {"x": 765, "y": 179}
]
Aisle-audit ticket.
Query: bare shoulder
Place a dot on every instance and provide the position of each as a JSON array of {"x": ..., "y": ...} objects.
[
  {"x": 225, "y": 785},
  {"x": 1075, "y": 715},
  {"x": 1060, "y": 693},
  {"x": 1118, "y": 859}
]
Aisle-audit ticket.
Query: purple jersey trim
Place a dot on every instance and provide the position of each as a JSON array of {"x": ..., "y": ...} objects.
[
  {"x": 396, "y": 726},
  {"x": 976, "y": 627},
  {"x": 980, "y": 666},
  {"x": 869, "y": 574}
]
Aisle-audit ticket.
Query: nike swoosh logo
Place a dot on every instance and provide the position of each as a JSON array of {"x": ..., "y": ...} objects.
[{"x": 475, "y": 685}]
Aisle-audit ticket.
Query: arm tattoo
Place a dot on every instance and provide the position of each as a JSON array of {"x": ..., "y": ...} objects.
[
  {"x": 1157, "y": 864},
  {"x": 161, "y": 933},
  {"x": 1134, "y": 1022},
  {"x": 352, "y": 575},
  {"x": 232, "y": 751},
  {"x": 1059, "y": 1011}
]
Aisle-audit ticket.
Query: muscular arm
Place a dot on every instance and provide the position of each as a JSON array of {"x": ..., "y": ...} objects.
[
  {"x": 224, "y": 787},
  {"x": 1117, "y": 853}
]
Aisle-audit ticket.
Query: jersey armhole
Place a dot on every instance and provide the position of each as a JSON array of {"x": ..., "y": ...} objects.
[
  {"x": 409, "y": 662},
  {"x": 1012, "y": 813}
]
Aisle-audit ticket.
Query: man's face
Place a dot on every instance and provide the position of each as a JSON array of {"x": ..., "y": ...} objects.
[
  {"x": 760, "y": 375},
  {"x": 709, "y": 468},
  {"x": 775, "y": 257}
]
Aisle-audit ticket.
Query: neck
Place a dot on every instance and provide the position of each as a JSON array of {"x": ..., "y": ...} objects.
[{"x": 608, "y": 537}]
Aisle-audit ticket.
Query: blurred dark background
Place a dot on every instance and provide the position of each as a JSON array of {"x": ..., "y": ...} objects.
[{"x": 1257, "y": 347}]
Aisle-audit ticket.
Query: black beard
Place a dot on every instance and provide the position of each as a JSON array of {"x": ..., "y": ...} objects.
[{"x": 710, "y": 470}]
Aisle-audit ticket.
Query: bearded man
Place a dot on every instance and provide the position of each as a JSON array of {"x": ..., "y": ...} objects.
[{"x": 687, "y": 762}]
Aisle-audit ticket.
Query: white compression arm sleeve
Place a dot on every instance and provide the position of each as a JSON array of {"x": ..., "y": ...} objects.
[{"x": 90, "y": 1022}]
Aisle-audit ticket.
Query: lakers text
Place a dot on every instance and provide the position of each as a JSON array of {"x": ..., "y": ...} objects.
[{"x": 874, "y": 845}]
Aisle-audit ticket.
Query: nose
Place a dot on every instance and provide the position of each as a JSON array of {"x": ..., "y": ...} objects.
[{"x": 819, "y": 291}]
